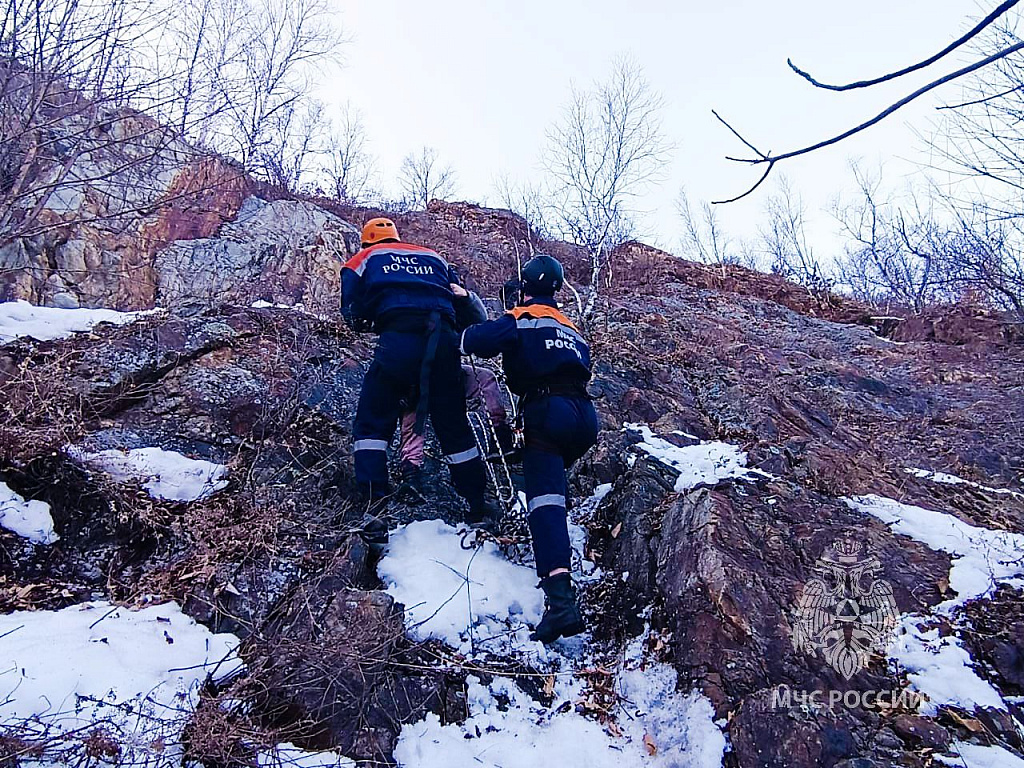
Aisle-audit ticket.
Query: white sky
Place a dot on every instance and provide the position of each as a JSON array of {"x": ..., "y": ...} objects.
[{"x": 482, "y": 81}]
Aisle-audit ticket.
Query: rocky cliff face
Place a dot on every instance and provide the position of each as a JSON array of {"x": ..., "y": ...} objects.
[
  {"x": 128, "y": 216},
  {"x": 749, "y": 430},
  {"x": 826, "y": 411}
]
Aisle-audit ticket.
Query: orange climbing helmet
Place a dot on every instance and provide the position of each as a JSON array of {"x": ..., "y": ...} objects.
[{"x": 378, "y": 230}]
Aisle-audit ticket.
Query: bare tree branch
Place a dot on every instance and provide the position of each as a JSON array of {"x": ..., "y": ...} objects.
[
  {"x": 772, "y": 161},
  {"x": 1002, "y": 8}
]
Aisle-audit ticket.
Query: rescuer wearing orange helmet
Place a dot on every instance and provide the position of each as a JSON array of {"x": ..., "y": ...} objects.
[{"x": 403, "y": 292}]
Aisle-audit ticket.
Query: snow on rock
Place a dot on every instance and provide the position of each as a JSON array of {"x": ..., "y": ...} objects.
[
  {"x": 681, "y": 727},
  {"x": 946, "y": 479},
  {"x": 470, "y": 598},
  {"x": 706, "y": 463},
  {"x": 287, "y": 755},
  {"x": 979, "y": 756},
  {"x": 19, "y": 318},
  {"x": 940, "y": 667},
  {"x": 508, "y": 729},
  {"x": 981, "y": 560},
  {"x": 133, "y": 674},
  {"x": 579, "y": 513},
  {"x": 164, "y": 474},
  {"x": 30, "y": 519},
  {"x": 477, "y": 601}
]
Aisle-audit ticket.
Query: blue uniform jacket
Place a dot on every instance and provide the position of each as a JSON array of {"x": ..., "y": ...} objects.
[
  {"x": 539, "y": 346},
  {"x": 387, "y": 280}
]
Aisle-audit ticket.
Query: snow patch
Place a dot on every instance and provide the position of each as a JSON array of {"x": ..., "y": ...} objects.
[
  {"x": 706, "y": 463},
  {"x": 940, "y": 667},
  {"x": 166, "y": 475},
  {"x": 287, "y": 755},
  {"x": 478, "y": 602},
  {"x": 508, "y": 729},
  {"x": 133, "y": 674},
  {"x": 982, "y": 559},
  {"x": 680, "y": 726},
  {"x": 946, "y": 479},
  {"x": 473, "y": 599},
  {"x": 30, "y": 519},
  {"x": 978, "y": 756},
  {"x": 19, "y": 318}
]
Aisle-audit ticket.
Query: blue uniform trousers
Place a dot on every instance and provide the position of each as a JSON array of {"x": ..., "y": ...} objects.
[
  {"x": 393, "y": 375},
  {"x": 559, "y": 430}
]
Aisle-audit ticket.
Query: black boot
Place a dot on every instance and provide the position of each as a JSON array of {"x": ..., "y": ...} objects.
[
  {"x": 562, "y": 617},
  {"x": 373, "y": 529},
  {"x": 411, "y": 490},
  {"x": 485, "y": 515}
]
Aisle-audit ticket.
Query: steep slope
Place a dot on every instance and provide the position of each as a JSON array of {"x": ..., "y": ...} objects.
[{"x": 758, "y": 443}]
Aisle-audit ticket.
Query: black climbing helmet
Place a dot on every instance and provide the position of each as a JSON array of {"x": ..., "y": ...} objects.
[{"x": 542, "y": 276}]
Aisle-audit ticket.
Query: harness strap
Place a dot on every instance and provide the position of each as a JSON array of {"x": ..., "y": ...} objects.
[{"x": 433, "y": 336}]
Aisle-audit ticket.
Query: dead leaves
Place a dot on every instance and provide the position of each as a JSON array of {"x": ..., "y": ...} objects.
[{"x": 649, "y": 745}]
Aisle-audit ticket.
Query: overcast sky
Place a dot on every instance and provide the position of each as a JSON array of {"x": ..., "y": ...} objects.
[{"x": 482, "y": 81}]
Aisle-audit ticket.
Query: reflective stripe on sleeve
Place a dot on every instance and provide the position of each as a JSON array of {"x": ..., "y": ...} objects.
[
  {"x": 547, "y": 500},
  {"x": 370, "y": 445},
  {"x": 463, "y": 456}
]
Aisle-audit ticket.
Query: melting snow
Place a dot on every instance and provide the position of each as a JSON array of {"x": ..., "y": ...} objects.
[
  {"x": 287, "y": 755},
  {"x": 981, "y": 560},
  {"x": 164, "y": 474},
  {"x": 473, "y": 599},
  {"x": 946, "y": 479},
  {"x": 480, "y": 603},
  {"x": 940, "y": 667},
  {"x": 132, "y": 673},
  {"x": 702, "y": 464},
  {"x": 19, "y": 318},
  {"x": 978, "y": 756},
  {"x": 30, "y": 519}
]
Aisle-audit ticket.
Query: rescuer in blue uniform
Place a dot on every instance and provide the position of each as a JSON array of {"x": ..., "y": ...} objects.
[
  {"x": 547, "y": 364},
  {"x": 404, "y": 293}
]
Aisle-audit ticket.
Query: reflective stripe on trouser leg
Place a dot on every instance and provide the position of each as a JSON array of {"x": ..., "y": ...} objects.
[
  {"x": 376, "y": 415},
  {"x": 463, "y": 456},
  {"x": 545, "y": 502}
]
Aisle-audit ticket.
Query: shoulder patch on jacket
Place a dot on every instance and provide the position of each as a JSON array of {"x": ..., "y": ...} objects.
[{"x": 539, "y": 311}]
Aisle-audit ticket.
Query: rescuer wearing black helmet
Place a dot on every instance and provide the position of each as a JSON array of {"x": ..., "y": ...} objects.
[{"x": 547, "y": 364}]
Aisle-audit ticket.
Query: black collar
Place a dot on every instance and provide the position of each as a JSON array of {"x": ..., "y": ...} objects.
[{"x": 547, "y": 301}]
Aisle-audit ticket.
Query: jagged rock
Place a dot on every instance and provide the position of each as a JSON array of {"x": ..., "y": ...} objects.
[
  {"x": 919, "y": 731},
  {"x": 828, "y": 408},
  {"x": 332, "y": 657},
  {"x": 284, "y": 250}
]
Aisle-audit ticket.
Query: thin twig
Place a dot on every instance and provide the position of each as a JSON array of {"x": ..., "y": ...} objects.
[
  {"x": 978, "y": 28},
  {"x": 772, "y": 161}
]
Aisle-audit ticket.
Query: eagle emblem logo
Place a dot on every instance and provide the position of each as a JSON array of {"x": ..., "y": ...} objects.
[{"x": 845, "y": 611}]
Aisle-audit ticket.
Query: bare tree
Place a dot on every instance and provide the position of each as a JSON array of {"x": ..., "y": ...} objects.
[
  {"x": 423, "y": 178},
  {"x": 894, "y": 252},
  {"x": 68, "y": 73},
  {"x": 606, "y": 149},
  {"x": 348, "y": 167},
  {"x": 986, "y": 257},
  {"x": 704, "y": 239},
  {"x": 785, "y": 240},
  {"x": 528, "y": 201}
]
